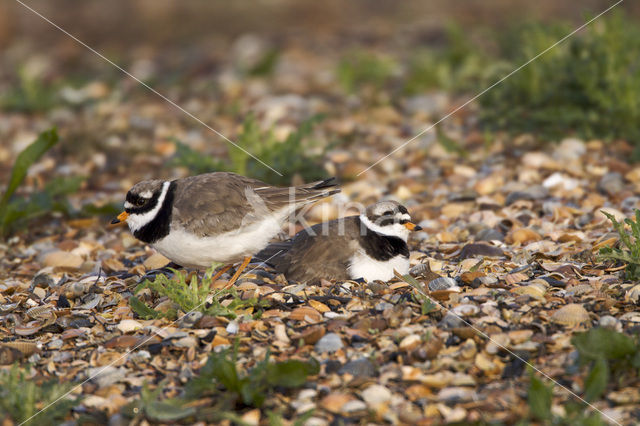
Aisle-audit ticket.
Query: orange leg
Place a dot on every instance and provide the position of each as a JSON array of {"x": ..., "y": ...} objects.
[
  {"x": 238, "y": 272},
  {"x": 220, "y": 272}
]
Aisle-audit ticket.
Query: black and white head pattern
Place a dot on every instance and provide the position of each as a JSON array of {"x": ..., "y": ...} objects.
[
  {"x": 387, "y": 218},
  {"x": 149, "y": 205}
]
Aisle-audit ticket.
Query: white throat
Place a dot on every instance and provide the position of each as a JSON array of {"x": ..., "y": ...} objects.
[
  {"x": 137, "y": 221},
  {"x": 393, "y": 230}
]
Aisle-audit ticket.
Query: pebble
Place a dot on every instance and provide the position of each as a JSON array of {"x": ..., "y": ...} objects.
[
  {"x": 456, "y": 395},
  {"x": 190, "y": 319},
  {"x": 571, "y": 314},
  {"x": 442, "y": 283},
  {"x": 383, "y": 305},
  {"x": 361, "y": 367},
  {"x": 410, "y": 342},
  {"x": 330, "y": 342},
  {"x": 488, "y": 281},
  {"x": 63, "y": 259},
  {"x": 611, "y": 183},
  {"x": 105, "y": 376},
  {"x": 354, "y": 406},
  {"x": 480, "y": 249},
  {"x": 569, "y": 149},
  {"x": 608, "y": 321},
  {"x": 128, "y": 325},
  {"x": 155, "y": 261},
  {"x": 375, "y": 395},
  {"x": 532, "y": 193},
  {"x": 489, "y": 234},
  {"x": 451, "y": 321}
]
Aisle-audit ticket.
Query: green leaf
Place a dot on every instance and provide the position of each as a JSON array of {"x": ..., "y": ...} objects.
[
  {"x": 539, "y": 398},
  {"x": 603, "y": 343},
  {"x": 162, "y": 411},
  {"x": 596, "y": 382},
  {"x": 291, "y": 373},
  {"x": 45, "y": 141},
  {"x": 143, "y": 311},
  {"x": 224, "y": 371}
]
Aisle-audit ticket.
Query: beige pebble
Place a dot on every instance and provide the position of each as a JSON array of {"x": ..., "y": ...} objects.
[
  {"x": 156, "y": 261},
  {"x": 63, "y": 259}
]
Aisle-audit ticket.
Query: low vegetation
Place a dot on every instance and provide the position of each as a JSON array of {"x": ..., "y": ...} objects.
[
  {"x": 629, "y": 252},
  {"x": 225, "y": 386},
  {"x": 23, "y": 396},
  {"x": 297, "y": 154},
  {"x": 192, "y": 294},
  {"x": 587, "y": 85},
  {"x": 611, "y": 359}
]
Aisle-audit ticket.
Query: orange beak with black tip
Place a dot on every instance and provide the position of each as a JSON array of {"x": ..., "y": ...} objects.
[
  {"x": 412, "y": 226},
  {"x": 122, "y": 217}
]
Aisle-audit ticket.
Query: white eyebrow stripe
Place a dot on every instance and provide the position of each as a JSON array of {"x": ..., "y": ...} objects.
[{"x": 146, "y": 194}]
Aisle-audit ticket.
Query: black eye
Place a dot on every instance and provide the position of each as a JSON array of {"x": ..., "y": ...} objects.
[{"x": 140, "y": 202}]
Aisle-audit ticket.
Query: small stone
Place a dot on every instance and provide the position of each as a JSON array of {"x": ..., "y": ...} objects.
[
  {"x": 42, "y": 280},
  {"x": 451, "y": 321},
  {"x": 570, "y": 149},
  {"x": 480, "y": 249},
  {"x": 608, "y": 321},
  {"x": 442, "y": 283},
  {"x": 361, "y": 367},
  {"x": 488, "y": 281},
  {"x": 489, "y": 234},
  {"x": 375, "y": 395},
  {"x": 107, "y": 375},
  {"x": 128, "y": 325},
  {"x": 354, "y": 406},
  {"x": 533, "y": 193},
  {"x": 330, "y": 342},
  {"x": 190, "y": 319},
  {"x": 571, "y": 314},
  {"x": 611, "y": 183},
  {"x": 410, "y": 342},
  {"x": 156, "y": 261},
  {"x": 63, "y": 259}
]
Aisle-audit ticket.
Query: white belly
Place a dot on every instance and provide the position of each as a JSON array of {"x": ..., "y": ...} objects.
[
  {"x": 186, "y": 249},
  {"x": 363, "y": 266}
]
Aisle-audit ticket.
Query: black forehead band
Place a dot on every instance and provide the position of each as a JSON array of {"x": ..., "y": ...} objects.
[{"x": 133, "y": 198}]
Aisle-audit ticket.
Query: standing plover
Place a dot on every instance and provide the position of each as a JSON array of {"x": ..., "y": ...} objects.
[{"x": 214, "y": 217}]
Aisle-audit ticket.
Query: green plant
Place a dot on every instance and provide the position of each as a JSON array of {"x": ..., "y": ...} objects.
[
  {"x": 293, "y": 155},
  {"x": 426, "y": 304},
  {"x": 22, "y": 397},
  {"x": 611, "y": 358},
  {"x": 540, "y": 398},
  {"x": 220, "y": 377},
  {"x": 589, "y": 84},
  {"x": 296, "y": 154},
  {"x": 195, "y": 295},
  {"x": 150, "y": 406},
  {"x": 185, "y": 156},
  {"x": 630, "y": 254},
  {"x": 363, "y": 69},
  {"x": 31, "y": 94},
  {"x": 17, "y": 211},
  {"x": 458, "y": 67},
  {"x": 13, "y": 210}
]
